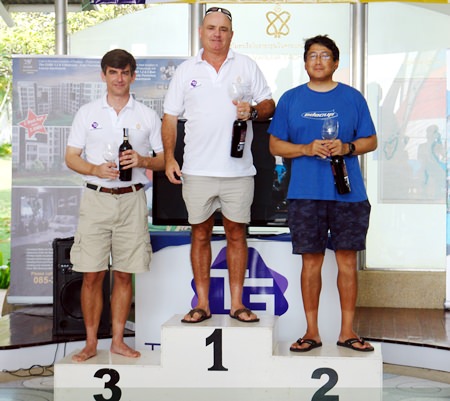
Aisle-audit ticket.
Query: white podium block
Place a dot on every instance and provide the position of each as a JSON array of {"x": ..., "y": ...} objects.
[
  {"x": 224, "y": 360},
  {"x": 220, "y": 334}
]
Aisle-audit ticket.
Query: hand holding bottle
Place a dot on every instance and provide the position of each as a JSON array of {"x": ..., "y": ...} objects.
[
  {"x": 239, "y": 92},
  {"x": 125, "y": 161}
]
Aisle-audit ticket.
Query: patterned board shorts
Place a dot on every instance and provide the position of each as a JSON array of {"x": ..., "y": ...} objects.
[{"x": 312, "y": 222}]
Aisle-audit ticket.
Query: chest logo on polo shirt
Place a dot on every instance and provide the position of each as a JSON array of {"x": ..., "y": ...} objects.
[{"x": 95, "y": 126}]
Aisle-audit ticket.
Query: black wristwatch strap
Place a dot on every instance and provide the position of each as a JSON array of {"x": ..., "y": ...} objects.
[
  {"x": 253, "y": 114},
  {"x": 351, "y": 148}
]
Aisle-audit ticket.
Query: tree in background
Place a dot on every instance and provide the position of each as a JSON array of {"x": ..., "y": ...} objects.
[{"x": 34, "y": 33}]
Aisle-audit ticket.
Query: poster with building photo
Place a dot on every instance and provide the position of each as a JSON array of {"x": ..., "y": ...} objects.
[{"x": 47, "y": 92}]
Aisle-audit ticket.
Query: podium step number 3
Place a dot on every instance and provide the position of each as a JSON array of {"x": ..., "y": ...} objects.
[{"x": 224, "y": 360}]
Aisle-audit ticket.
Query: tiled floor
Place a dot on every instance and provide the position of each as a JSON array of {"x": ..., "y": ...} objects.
[
  {"x": 428, "y": 328},
  {"x": 424, "y": 327},
  {"x": 396, "y": 387},
  {"x": 406, "y": 388}
]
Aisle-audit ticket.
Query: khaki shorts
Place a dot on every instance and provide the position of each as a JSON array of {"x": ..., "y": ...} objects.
[
  {"x": 233, "y": 196},
  {"x": 112, "y": 225}
]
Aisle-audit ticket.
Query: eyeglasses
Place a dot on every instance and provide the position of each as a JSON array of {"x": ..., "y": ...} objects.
[
  {"x": 323, "y": 56},
  {"x": 218, "y": 10}
]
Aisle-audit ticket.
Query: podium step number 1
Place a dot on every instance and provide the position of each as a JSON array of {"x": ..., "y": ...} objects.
[{"x": 224, "y": 360}]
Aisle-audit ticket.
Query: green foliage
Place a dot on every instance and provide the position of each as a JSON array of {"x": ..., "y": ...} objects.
[
  {"x": 5, "y": 150},
  {"x": 34, "y": 33},
  {"x": 5, "y": 273}
]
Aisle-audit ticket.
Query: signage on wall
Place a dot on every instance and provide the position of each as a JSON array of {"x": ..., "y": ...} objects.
[{"x": 48, "y": 91}]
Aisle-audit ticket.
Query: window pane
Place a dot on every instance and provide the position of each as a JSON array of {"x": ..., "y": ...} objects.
[
  {"x": 406, "y": 177},
  {"x": 143, "y": 33},
  {"x": 274, "y": 34}
]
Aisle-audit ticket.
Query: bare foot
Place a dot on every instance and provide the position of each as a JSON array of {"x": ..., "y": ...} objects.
[
  {"x": 125, "y": 350},
  {"x": 86, "y": 353}
]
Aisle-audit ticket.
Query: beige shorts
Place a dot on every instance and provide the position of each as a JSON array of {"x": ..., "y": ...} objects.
[
  {"x": 112, "y": 225},
  {"x": 233, "y": 196}
]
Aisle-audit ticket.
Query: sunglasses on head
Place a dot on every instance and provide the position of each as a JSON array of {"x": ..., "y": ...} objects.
[{"x": 218, "y": 10}]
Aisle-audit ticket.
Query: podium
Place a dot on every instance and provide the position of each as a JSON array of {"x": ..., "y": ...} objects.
[{"x": 225, "y": 360}]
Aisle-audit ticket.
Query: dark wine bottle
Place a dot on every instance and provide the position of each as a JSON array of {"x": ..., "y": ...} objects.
[
  {"x": 238, "y": 138},
  {"x": 125, "y": 174},
  {"x": 340, "y": 175}
]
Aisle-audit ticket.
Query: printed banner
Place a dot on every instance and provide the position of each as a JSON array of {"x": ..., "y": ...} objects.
[{"x": 48, "y": 91}]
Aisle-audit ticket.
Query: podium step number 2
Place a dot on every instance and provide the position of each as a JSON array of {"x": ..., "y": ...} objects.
[{"x": 224, "y": 360}]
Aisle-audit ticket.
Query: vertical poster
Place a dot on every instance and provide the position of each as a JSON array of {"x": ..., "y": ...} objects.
[{"x": 47, "y": 92}]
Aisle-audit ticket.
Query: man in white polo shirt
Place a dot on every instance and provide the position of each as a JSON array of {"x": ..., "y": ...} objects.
[
  {"x": 212, "y": 178},
  {"x": 113, "y": 214}
]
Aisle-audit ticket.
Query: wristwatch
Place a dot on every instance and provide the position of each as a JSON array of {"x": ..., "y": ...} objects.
[
  {"x": 253, "y": 114},
  {"x": 351, "y": 148}
]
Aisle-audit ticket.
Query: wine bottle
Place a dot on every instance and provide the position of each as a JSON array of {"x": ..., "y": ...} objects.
[
  {"x": 238, "y": 138},
  {"x": 339, "y": 170},
  {"x": 125, "y": 174}
]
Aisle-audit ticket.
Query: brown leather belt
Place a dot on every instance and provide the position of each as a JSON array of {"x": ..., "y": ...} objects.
[{"x": 116, "y": 191}]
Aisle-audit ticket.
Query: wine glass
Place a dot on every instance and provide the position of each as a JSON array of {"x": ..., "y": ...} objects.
[
  {"x": 330, "y": 130},
  {"x": 240, "y": 91},
  {"x": 110, "y": 152}
]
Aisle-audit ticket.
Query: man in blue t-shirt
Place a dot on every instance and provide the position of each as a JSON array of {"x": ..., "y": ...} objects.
[{"x": 315, "y": 206}]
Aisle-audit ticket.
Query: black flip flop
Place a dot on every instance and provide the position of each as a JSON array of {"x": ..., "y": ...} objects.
[
  {"x": 236, "y": 314},
  {"x": 349, "y": 344},
  {"x": 203, "y": 316},
  {"x": 312, "y": 344}
]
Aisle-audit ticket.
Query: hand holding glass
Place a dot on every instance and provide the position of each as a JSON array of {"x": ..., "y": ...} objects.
[
  {"x": 110, "y": 153},
  {"x": 240, "y": 92},
  {"x": 330, "y": 130}
]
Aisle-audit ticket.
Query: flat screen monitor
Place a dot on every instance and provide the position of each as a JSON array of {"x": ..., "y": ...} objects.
[{"x": 269, "y": 208}]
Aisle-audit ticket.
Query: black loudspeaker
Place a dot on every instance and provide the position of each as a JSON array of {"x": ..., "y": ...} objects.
[{"x": 67, "y": 314}]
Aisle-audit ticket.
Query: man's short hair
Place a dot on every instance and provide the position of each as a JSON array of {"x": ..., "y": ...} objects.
[
  {"x": 323, "y": 40},
  {"x": 118, "y": 58}
]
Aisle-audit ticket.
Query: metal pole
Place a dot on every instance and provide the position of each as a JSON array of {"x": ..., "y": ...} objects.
[
  {"x": 359, "y": 44},
  {"x": 61, "y": 27},
  {"x": 358, "y": 37},
  {"x": 197, "y": 11}
]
